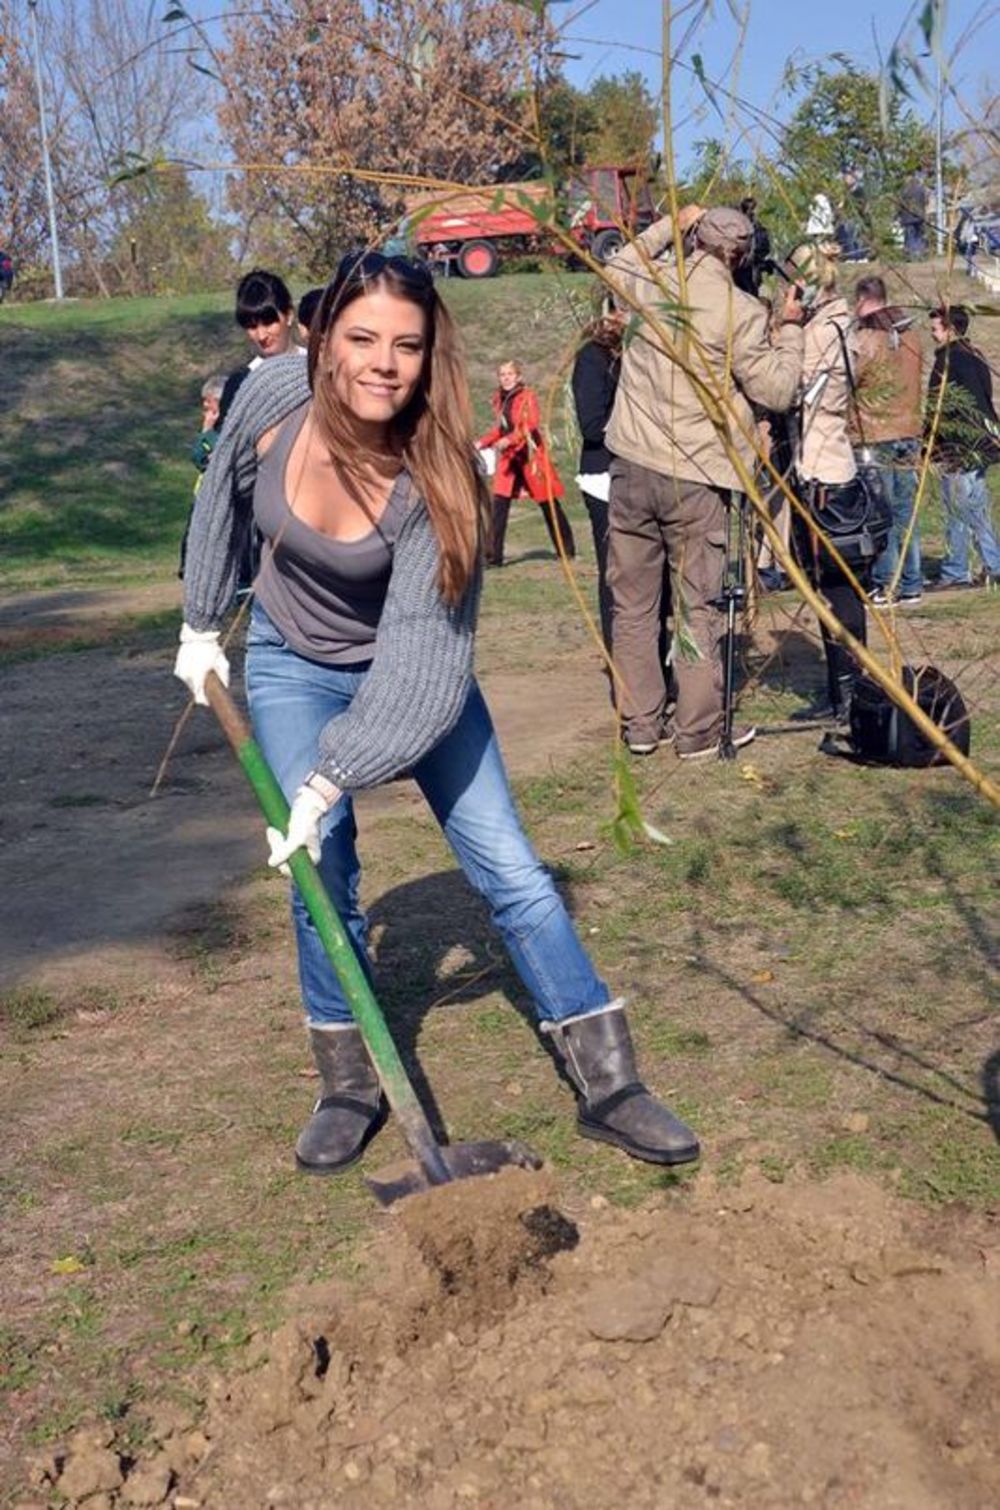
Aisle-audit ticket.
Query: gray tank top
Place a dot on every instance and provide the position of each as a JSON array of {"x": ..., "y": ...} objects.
[{"x": 325, "y": 596}]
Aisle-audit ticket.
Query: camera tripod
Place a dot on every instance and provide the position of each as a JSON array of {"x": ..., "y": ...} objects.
[{"x": 730, "y": 602}]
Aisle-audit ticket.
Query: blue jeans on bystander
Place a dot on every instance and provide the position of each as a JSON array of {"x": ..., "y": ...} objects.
[
  {"x": 464, "y": 781},
  {"x": 897, "y": 461},
  {"x": 966, "y": 500}
]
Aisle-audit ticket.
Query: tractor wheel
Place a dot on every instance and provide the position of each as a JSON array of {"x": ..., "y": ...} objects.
[
  {"x": 477, "y": 259},
  {"x": 606, "y": 244}
]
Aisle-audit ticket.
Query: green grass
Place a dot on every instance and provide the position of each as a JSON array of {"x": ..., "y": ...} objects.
[
  {"x": 102, "y": 407},
  {"x": 27, "y": 1009}
]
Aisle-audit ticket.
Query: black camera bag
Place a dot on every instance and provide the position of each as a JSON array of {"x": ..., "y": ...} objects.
[
  {"x": 883, "y": 734},
  {"x": 854, "y": 515}
]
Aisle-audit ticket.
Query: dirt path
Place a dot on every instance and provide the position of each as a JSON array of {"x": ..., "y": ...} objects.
[{"x": 94, "y": 868}]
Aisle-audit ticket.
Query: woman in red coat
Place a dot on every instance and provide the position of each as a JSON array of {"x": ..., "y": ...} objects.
[{"x": 523, "y": 467}]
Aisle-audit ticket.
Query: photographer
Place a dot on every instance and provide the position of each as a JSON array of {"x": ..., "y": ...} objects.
[
  {"x": 672, "y": 474},
  {"x": 825, "y": 464}
]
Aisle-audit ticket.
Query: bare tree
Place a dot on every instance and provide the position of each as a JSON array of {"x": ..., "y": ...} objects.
[
  {"x": 428, "y": 88},
  {"x": 23, "y": 226},
  {"x": 126, "y": 96}
]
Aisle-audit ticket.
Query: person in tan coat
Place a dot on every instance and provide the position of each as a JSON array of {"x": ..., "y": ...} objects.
[
  {"x": 826, "y": 463},
  {"x": 673, "y": 434}
]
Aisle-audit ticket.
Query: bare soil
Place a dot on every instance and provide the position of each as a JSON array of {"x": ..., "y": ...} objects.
[
  {"x": 764, "y": 1346},
  {"x": 81, "y": 740}
]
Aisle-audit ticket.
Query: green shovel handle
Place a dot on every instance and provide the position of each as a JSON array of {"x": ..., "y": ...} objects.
[{"x": 360, "y": 997}]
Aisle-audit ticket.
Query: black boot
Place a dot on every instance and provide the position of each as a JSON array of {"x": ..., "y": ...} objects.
[
  {"x": 349, "y": 1111},
  {"x": 843, "y": 698},
  {"x": 615, "y": 1107}
]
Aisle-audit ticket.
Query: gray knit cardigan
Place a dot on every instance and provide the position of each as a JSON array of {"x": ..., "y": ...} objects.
[{"x": 421, "y": 669}]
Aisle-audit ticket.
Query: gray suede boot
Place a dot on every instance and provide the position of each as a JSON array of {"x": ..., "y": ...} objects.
[
  {"x": 349, "y": 1111},
  {"x": 615, "y": 1107}
]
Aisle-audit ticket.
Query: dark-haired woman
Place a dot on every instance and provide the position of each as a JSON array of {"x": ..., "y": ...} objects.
[
  {"x": 362, "y": 477},
  {"x": 264, "y": 309},
  {"x": 523, "y": 466}
]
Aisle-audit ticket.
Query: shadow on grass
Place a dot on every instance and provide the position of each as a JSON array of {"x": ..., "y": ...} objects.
[
  {"x": 423, "y": 923},
  {"x": 798, "y": 1027}
]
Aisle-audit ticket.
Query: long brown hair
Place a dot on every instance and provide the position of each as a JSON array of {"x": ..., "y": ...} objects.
[{"x": 433, "y": 434}]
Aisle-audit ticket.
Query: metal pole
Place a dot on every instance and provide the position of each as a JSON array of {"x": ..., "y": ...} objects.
[
  {"x": 50, "y": 196},
  {"x": 938, "y": 170}
]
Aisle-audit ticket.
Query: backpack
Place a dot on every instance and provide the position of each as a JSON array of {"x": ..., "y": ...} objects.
[{"x": 882, "y": 734}]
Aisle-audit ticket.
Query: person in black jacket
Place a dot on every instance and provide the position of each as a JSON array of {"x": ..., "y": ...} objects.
[
  {"x": 595, "y": 381},
  {"x": 962, "y": 429}
]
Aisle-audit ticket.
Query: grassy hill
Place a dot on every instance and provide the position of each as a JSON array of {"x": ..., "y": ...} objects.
[{"x": 101, "y": 407}]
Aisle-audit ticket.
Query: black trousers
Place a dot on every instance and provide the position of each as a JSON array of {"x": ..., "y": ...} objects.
[
  {"x": 850, "y": 610},
  {"x": 828, "y": 579},
  {"x": 598, "y": 511},
  {"x": 558, "y": 527}
]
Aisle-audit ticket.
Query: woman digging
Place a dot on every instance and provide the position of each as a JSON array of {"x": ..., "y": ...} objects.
[{"x": 361, "y": 475}]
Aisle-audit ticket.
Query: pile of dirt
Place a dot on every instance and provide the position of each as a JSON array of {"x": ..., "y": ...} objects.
[{"x": 768, "y": 1346}]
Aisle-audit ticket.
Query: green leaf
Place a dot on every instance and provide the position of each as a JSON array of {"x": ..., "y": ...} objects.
[
  {"x": 498, "y": 201},
  {"x": 628, "y": 826},
  {"x": 631, "y": 330},
  {"x": 540, "y": 210},
  {"x": 200, "y": 68},
  {"x": 931, "y": 24},
  {"x": 423, "y": 212},
  {"x": 698, "y": 64}
]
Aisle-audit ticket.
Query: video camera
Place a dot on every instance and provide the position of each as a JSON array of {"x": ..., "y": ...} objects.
[{"x": 808, "y": 291}]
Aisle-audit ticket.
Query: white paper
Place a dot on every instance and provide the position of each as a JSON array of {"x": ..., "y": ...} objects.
[{"x": 597, "y": 484}]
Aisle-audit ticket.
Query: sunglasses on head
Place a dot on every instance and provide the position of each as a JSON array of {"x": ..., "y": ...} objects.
[{"x": 370, "y": 265}]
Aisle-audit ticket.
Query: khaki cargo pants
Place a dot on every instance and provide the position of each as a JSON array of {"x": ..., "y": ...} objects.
[{"x": 652, "y": 518}]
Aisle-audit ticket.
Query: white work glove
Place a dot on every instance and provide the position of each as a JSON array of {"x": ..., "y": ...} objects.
[
  {"x": 313, "y": 801},
  {"x": 199, "y": 654}
]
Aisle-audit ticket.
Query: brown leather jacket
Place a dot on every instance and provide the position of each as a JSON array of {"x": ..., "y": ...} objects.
[{"x": 889, "y": 372}]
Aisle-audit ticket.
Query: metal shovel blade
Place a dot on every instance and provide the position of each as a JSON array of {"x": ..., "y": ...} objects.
[{"x": 464, "y": 1161}]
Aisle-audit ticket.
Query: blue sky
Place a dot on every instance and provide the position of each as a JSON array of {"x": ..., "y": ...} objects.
[{"x": 611, "y": 36}]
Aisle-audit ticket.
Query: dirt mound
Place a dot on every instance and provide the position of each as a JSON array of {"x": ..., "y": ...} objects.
[{"x": 769, "y": 1346}]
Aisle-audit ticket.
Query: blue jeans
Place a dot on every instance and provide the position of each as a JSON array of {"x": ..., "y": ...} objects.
[
  {"x": 463, "y": 778},
  {"x": 966, "y": 500},
  {"x": 896, "y": 461}
]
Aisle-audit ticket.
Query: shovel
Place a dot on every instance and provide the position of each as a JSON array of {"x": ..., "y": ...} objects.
[{"x": 436, "y": 1163}]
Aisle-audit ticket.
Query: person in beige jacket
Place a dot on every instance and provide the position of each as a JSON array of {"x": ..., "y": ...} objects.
[
  {"x": 826, "y": 461},
  {"x": 682, "y": 414}
]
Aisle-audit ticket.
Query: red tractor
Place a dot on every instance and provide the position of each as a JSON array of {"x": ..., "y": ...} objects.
[{"x": 473, "y": 231}]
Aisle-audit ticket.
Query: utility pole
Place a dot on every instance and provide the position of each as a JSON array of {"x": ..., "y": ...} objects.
[
  {"x": 50, "y": 196},
  {"x": 938, "y": 168}
]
